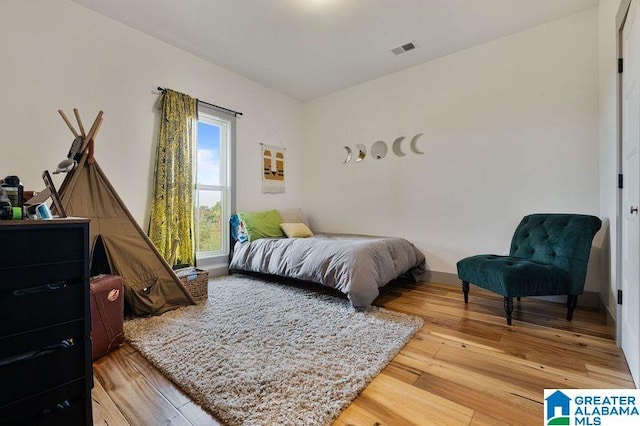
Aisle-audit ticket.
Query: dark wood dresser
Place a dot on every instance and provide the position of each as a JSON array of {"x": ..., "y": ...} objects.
[{"x": 46, "y": 374}]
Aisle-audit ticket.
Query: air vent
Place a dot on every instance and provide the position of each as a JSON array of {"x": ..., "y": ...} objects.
[{"x": 404, "y": 48}]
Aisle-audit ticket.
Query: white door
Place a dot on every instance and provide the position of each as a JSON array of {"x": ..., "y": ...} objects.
[{"x": 631, "y": 191}]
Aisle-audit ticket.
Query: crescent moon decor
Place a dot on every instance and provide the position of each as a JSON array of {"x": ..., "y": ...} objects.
[
  {"x": 379, "y": 150},
  {"x": 362, "y": 152},
  {"x": 414, "y": 144},
  {"x": 349, "y": 154},
  {"x": 397, "y": 149}
]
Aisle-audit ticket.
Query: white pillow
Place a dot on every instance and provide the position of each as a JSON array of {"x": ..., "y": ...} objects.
[{"x": 293, "y": 216}]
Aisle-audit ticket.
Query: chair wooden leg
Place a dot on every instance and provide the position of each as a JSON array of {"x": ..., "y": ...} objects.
[
  {"x": 508, "y": 308},
  {"x": 465, "y": 291},
  {"x": 572, "y": 302}
]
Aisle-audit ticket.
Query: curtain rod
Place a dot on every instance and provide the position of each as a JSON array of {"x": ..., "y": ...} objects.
[{"x": 236, "y": 113}]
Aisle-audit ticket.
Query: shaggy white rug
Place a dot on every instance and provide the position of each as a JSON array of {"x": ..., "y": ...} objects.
[{"x": 262, "y": 353}]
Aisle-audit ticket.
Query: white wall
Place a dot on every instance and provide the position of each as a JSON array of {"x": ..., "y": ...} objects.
[
  {"x": 510, "y": 128},
  {"x": 608, "y": 135},
  {"x": 57, "y": 54}
]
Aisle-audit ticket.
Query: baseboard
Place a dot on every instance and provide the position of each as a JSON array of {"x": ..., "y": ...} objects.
[
  {"x": 589, "y": 299},
  {"x": 610, "y": 316},
  {"x": 217, "y": 270},
  {"x": 442, "y": 278}
]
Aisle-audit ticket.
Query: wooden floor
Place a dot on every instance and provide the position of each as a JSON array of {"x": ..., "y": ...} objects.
[{"x": 464, "y": 367}]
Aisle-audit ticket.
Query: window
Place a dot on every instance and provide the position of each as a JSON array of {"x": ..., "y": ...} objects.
[{"x": 214, "y": 198}]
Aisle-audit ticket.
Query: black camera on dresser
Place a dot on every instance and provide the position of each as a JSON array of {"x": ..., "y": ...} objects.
[{"x": 46, "y": 374}]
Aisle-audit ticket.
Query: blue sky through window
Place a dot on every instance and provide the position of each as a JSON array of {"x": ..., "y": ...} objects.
[{"x": 208, "y": 154}]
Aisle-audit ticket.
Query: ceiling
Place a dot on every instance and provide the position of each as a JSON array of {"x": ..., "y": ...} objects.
[{"x": 309, "y": 48}]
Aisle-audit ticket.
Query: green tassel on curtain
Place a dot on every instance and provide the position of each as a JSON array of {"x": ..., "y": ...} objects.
[{"x": 172, "y": 211}]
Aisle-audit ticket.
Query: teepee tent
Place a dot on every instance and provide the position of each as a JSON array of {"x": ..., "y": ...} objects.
[{"x": 151, "y": 286}]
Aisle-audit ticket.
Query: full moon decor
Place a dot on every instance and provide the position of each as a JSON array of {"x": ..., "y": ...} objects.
[{"x": 379, "y": 150}]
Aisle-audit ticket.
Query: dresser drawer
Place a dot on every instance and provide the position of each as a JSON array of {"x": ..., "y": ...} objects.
[
  {"x": 44, "y": 245},
  {"x": 36, "y": 307},
  {"x": 16, "y": 278},
  {"x": 73, "y": 414},
  {"x": 24, "y": 342},
  {"x": 43, "y": 369},
  {"x": 63, "y": 405}
]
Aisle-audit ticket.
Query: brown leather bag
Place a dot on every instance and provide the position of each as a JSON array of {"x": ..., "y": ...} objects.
[{"x": 107, "y": 314}]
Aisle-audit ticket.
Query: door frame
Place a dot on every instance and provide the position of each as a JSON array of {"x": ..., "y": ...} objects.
[{"x": 621, "y": 17}]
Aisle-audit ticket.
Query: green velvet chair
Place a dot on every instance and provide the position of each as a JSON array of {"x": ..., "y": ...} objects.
[{"x": 548, "y": 256}]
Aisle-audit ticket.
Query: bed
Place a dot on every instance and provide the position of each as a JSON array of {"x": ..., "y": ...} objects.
[{"x": 356, "y": 265}]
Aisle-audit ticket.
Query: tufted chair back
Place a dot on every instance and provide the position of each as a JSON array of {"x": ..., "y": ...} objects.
[{"x": 563, "y": 240}]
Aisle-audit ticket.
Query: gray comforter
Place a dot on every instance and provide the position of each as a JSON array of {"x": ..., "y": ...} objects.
[{"x": 356, "y": 265}]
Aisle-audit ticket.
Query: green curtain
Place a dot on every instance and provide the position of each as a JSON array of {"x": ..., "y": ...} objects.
[{"x": 172, "y": 211}]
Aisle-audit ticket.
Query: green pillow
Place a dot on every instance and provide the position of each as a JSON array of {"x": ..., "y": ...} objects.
[{"x": 262, "y": 224}]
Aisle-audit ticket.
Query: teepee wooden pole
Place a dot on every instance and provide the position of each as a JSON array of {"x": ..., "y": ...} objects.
[
  {"x": 77, "y": 114},
  {"x": 92, "y": 131},
  {"x": 90, "y": 159},
  {"x": 69, "y": 181},
  {"x": 66, "y": 120},
  {"x": 95, "y": 133}
]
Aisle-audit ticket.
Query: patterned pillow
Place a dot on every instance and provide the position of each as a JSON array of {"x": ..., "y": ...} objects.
[{"x": 238, "y": 232}]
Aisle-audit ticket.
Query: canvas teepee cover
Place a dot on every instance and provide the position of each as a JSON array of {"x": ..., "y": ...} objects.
[{"x": 151, "y": 286}]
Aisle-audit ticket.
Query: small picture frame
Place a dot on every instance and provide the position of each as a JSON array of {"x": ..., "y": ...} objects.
[{"x": 55, "y": 198}]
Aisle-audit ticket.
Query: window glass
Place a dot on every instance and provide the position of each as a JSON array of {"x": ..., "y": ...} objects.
[
  {"x": 213, "y": 197},
  {"x": 209, "y": 218},
  {"x": 209, "y": 169}
]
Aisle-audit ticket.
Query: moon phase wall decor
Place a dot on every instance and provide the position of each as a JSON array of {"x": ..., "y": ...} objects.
[
  {"x": 349, "y": 155},
  {"x": 414, "y": 144},
  {"x": 397, "y": 149},
  {"x": 379, "y": 149},
  {"x": 362, "y": 152}
]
